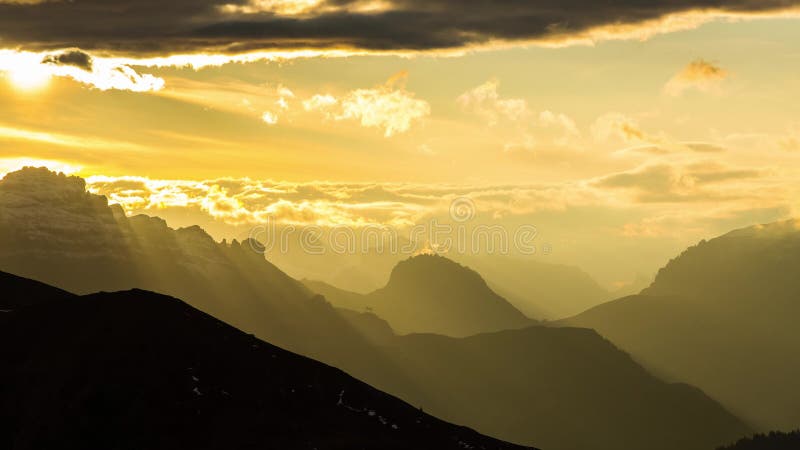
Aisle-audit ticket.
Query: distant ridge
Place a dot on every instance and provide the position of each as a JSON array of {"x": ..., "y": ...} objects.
[
  {"x": 541, "y": 290},
  {"x": 722, "y": 316}
]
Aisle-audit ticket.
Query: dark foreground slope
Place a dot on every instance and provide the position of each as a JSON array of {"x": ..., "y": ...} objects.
[
  {"x": 136, "y": 370},
  {"x": 722, "y": 316},
  {"x": 771, "y": 441}
]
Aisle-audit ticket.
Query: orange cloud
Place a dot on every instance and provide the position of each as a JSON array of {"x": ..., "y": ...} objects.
[{"x": 700, "y": 74}]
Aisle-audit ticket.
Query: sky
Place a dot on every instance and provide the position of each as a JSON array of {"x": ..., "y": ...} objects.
[{"x": 622, "y": 132}]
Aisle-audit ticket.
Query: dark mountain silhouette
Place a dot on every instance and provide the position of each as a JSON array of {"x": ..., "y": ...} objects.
[
  {"x": 540, "y": 290},
  {"x": 773, "y": 441},
  {"x": 135, "y": 370},
  {"x": 722, "y": 316},
  {"x": 432, "y": 294},
  {"x": 565, "y": 389},
  {"x": 52, "y": 230}
]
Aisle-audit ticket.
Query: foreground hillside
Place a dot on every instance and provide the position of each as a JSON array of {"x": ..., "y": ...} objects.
[
  {"x": 138, "y": 370},
  {"x": 722, "y": 316},
  {"x": 771, "y": 441}
]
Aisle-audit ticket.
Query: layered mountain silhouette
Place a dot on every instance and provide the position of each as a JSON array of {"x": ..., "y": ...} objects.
[
  {"x": 722, "y": 316},
  {"x": 772, "y": 441},
  {"x": 432, "y": 294},
  {"x": 54, "y": 231},
  {"x": 540, "y": 290},
  {"x": 136, "y": 370},
  {"x": 561, "y": 389}
]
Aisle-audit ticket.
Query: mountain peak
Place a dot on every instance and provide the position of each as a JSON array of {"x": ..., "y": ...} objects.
[
  {"x": 42, "y": 184},
  {"x": 754, "y": 264},
  {"x": 434, "y": 269},
  {"x": 431, "y": 293},
  {"x": 41, "y": 189}
]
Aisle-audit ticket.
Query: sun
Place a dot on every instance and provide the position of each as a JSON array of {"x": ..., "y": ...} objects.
[{"x": 29, "y": 77}]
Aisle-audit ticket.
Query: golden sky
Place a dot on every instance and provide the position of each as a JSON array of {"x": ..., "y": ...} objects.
[{"x": 617, "y": 140}]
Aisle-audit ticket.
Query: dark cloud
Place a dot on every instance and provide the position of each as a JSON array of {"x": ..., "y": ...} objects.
[
  {"x": 140, "y": 27},
  {"x": 75, "y": 58}
]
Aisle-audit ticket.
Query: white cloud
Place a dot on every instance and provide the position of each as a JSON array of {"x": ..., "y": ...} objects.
[
  {"x": 528, "y": 131},
  {"x": 485, "y": 101},
  {"x": 269, "y": 118},
  {"x": 389, "y": 106},
  {"x": 394, "y": 111},
  {"x": 320, "y": 102}
]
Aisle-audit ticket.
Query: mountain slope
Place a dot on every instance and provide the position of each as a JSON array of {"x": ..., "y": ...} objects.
[
  {"x": 722, "y": 316},
  {"x": 432, "y": 294},
  {"x": 140, "y": 370},
  {"x": 563, "y": 388}
]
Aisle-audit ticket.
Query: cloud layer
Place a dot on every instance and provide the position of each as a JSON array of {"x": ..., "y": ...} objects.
[
  {"x": 691, "y": 186},
  {"x": 150, "y": 27}
]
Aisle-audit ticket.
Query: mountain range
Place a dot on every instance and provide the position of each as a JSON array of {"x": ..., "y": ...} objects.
[
  {"x": 540, "y": 290},
  {"x": 561, "y": 389}
]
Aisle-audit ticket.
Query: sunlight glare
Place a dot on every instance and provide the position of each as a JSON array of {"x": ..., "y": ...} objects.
[{"x": 29, "y": 77}]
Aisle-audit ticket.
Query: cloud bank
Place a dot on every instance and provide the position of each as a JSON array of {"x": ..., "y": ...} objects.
[{"x": 155, "y": 28}]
